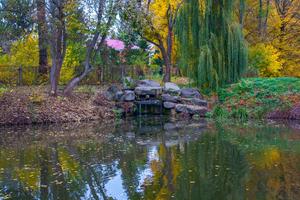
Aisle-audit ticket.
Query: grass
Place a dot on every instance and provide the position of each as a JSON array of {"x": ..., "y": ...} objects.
[{"x": 256, "y": 97}]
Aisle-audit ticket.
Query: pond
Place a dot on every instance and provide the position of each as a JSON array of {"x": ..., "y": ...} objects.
[{"x": 150, "y": 158}]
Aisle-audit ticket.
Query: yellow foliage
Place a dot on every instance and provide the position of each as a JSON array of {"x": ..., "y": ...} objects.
[
  {"x": 282, "y": 32},
  {"x": 23, "y": 53},
  {"x": 68, "y": 164},
  {"x": 71, "y": 61},
  {"x": 159, "y": 18},
  {"x": 268, "y": 158},
  {"x": 266, "y": 59}
]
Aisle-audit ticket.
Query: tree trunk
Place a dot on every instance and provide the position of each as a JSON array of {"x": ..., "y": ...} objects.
[
  {"x": 55, "y": 75},
  {"x": 265, "y": 23},
  {"x": 58, "y": 44},
  {"x": 91, "y": 49},
  {"x": 260, "y": 16},
  {"x": 167, "y": 77},
  {"x": 42, "y": 33},
  {"x": 167, "y": 62},
  {"x": 168, "y": 55},
  {"x": 87, "y": 65}
]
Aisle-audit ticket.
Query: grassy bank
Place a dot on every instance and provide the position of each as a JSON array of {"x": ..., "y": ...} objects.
[{"x": 258, "y": 98}]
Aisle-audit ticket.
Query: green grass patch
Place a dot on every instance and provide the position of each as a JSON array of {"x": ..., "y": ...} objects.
[{"x": 255, "y": 97}]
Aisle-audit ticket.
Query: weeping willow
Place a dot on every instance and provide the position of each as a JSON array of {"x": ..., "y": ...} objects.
[{"x": 212, "y": 48}]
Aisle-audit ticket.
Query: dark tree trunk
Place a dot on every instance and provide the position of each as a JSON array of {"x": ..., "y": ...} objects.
[
  {"x": 58, "y": 43},
  {"x": 168, "y": 56},
  {"x": 42, "y": 33},
  {"x": 167, "y": 62},
  {"x": 265, "y": 23},
  {"x": 260, "y": 16}
]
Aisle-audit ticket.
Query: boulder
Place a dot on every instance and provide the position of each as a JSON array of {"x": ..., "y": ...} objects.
[
  {"x": 194, "y": 101},
  {"x": 169, "y": 105},
  {"x": 191, "y": 109},
  {"x": 170, "y": 98},
  {"x": 128, "y": 95},
  {"x": 171, "y": 87},
  {"x": 147, "y": 83},
  {"x": 111, "y": 93},
  {"x": 119, "y": 96},
  {"x": 190, "y": 93},
  {"x": 153, "y": 91}
]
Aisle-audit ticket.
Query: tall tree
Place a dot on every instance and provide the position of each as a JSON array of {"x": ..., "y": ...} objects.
[
  {"x": 58, "y": 39},
  {"x": 15, "y": 20},
  {"x": 212, "y": 48},
  {"x": 105, "y": 16},
  {"x": 42, "y": 33},
  {"x": 155, "y": 21}
]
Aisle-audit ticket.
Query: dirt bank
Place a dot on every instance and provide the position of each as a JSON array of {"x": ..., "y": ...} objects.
[{"x": 32, "y": 105}]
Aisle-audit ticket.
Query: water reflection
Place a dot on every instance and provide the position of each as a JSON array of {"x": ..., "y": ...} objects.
[{"x": 150, "y": 158}]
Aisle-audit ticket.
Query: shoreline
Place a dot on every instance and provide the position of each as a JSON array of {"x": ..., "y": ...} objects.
[{"x": 33, "y": 106}]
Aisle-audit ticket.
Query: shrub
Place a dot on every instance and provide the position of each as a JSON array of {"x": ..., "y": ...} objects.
[
  {"x": 266, "y": 59},
  {"x": 23, "y": 52},
  {"x": 240, "y": 113},
  {"x": 219, "y": 112}
]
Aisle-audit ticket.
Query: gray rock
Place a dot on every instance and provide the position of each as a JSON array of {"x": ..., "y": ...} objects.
[
  {"x": 191, "y": 109},
  {"x": 190, "y": 93},
  {"x": 171, "y": 87},
  {"x": 147, "y": 83},
  {"x": 119, "y": 96},
  {"x": 111, "y": 93},
  {"x": 194, "y": 101},
  {"x": 129, "y": 95},
  {"x": 148, "y": 91},
  {"x": 170, "y": 98},
  {"x": 169, "y": 105}
]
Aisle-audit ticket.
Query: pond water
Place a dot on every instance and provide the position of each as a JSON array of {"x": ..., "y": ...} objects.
[{"x": 150, "y": 158}]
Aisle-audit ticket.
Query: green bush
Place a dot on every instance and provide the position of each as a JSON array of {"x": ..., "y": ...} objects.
[
  {"x": 219, "y": 112},
  {"x": 240, "y": 113}
]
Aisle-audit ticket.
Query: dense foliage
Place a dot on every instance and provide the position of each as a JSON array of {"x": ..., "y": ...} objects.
[
  {"x": 212, "y": 48},
  {"x": 205, "y": 40}
]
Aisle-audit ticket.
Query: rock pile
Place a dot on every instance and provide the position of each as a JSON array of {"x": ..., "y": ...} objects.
[{"x": 171, "y": 96}]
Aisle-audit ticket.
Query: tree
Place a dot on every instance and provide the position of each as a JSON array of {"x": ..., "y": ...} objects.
[
  {"x": 275, "y": 23},
  {"x": 15, "y": 21},
  {"x": 58, "y": 39},
  {"x": 105, "y": 16},
  {"x": 155, "y": 21},
  {"x": 212, "y": 48},
  {"x": 42, "y": 32}
]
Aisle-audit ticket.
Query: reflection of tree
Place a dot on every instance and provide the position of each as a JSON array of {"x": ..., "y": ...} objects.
[
  {"x": 131, "y": 164},
  {"x": 45, "y": 172},
  {"x": 225, "y": 163},
  {"x": 212, "y": 169}
]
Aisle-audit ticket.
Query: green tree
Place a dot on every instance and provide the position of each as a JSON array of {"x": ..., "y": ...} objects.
[{"x": 212, "y": 48}]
